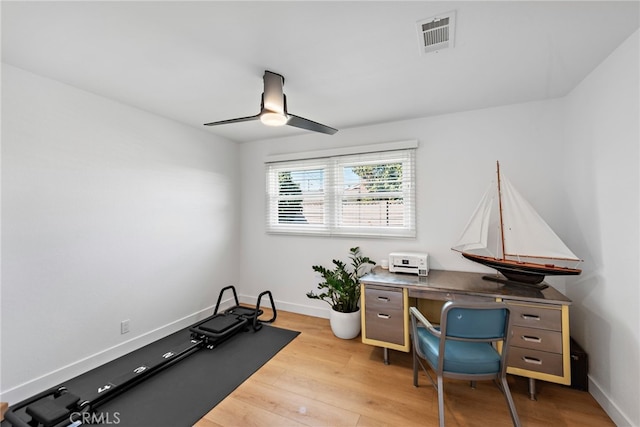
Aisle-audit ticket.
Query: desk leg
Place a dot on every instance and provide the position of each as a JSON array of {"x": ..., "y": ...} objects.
[
  {"x": 386, "y": 355},
  {"x": 532, "y": 388}
]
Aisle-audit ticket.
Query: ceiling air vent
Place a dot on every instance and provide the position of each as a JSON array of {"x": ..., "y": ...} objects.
[{"x": 437, "y": 33}]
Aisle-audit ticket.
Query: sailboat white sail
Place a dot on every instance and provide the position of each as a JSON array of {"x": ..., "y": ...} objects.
[
  {"x": 507, "y": 234},
  {"x": 526, "y": 234},
  {"x": 475, "y": 237}
]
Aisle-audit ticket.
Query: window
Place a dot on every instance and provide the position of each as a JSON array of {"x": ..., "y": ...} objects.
[{"x": 369, "y": 194}]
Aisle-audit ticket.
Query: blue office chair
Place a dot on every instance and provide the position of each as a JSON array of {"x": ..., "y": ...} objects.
[{"x": 466, "y": 338}]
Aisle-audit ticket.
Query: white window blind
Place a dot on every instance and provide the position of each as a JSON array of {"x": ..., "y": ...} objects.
[{"x": 369, "y": 194}]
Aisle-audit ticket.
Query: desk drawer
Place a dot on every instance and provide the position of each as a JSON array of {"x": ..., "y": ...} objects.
[
  {"x": 386, "y": 326},
  {"x": 390, "y": 298},
  {"x": 536, "y": 339},
  {"x": 532, "y": 316},
  {"x": 384, "y": 315},
  {"x": 438, "y": 295},
  {"x": 535, "y": 360}
]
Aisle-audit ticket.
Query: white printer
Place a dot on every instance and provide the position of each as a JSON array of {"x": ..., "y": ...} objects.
[{"x": 409, "y": 262}]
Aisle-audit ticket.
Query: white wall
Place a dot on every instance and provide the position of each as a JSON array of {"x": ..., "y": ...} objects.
[
  {"x": 575, "y": 159},
  {"x": 602, "y": 184},
  {"x": 108, "y": 213},
  {"x": 111, "y": 213},
  {"x": 455, "y": 164}
]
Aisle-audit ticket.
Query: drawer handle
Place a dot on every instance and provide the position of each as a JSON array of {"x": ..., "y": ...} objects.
[
  {"x": 383, "y": 316},
  {"x": 385, "y": 299},
  {"x": 530, "y": 317},
  {"x": 532, "y": 360},
  {"x": 529, "y": 338}
]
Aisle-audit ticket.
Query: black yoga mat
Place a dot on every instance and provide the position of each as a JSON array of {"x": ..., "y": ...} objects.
[{"x": 183, "y": 393}]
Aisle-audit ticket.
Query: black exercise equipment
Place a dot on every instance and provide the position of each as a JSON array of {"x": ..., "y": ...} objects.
[
  {"x": 58, "y": 407},
  {"x": 221, "y": 326}
]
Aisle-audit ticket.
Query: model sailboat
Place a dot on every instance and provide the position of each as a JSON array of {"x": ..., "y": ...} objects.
[{"x": 507, "y": 234}]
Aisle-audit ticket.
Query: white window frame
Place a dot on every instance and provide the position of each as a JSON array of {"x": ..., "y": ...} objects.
[{"x": 333, "y": 162}]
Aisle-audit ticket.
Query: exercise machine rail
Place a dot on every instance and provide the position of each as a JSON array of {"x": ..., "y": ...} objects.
[{"x": 59, "y": 407}]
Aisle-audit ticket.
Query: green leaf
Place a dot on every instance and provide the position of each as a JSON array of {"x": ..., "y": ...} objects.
[{"x": 341, "y": 286}]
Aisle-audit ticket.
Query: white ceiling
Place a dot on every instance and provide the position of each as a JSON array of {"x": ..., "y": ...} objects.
[{"x": 346, "y": 64}]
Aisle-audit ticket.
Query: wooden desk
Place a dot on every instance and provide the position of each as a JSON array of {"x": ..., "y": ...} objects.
[{"x": 540, "y": 342}]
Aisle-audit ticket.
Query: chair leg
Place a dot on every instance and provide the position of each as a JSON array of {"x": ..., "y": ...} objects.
[
  {"x": 441, "y": 400},
  {"x": 415, "y": 369},
  {"x": 512, "y": 406}
]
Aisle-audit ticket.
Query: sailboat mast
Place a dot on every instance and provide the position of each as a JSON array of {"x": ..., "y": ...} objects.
[{"x": 500, "y": 209}]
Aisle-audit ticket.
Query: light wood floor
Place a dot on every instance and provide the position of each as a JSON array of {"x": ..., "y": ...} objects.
[{"x": 320, "y": 380}]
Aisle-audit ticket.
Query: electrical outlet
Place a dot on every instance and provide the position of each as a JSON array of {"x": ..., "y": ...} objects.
[{"x": 124, "y": 326}]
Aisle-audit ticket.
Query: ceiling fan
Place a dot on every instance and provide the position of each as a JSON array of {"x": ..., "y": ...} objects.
[{"x": 273, "y": 109}]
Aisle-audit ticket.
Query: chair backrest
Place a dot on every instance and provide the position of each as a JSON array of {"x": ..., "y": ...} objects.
[
  {"x": 479, "y": 322},
  {"x": 475, "y": 321}
]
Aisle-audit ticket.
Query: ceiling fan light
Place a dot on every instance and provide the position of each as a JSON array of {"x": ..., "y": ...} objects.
[{"x": 273, "y": 119}]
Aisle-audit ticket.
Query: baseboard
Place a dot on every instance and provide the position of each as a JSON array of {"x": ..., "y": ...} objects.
[
  {"x": 287, "y": 306},
  {"x": 51, "y": 379},
  {"x": 614, "y": 412}
]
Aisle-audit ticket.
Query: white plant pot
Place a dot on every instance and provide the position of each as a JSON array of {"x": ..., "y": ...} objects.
[{"x": 345, "y": 325}]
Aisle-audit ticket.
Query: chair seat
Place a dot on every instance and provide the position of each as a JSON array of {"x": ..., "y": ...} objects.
[{"x": 460, "y": 356}]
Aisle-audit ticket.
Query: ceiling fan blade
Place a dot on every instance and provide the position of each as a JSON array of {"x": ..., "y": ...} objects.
[
  {"x": 273, "y": 96},
  {"x": 301, "y": 122},
  {"x": 273, "y": 109},
  {"x": 240, "y": 119}
]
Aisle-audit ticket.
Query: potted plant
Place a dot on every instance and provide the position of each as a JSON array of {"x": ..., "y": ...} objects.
[{"x": 341, "y": 290}]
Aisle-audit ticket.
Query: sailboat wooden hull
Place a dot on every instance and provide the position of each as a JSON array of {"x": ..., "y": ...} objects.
[{"x": 524, "y": 272}]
